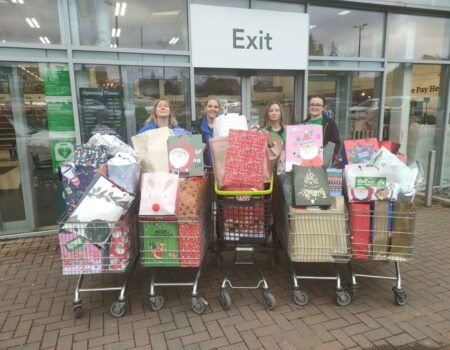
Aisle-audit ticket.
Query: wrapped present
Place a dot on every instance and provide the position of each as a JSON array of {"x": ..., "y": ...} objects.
[
  {"x": 120, "y": 246},
  {"x": 90, "y": 155},
  {"x": 390, "y": 145},
  {"x": 368, "y": 182},
  {"x": 190, "y": 238},
  {"x": 159, "y": 191},
  {"x": 335, "y": 181},
  {"x": 310, "y": 186},
  {"x": 246, "y": 160},
  {"x": 75, "y": 179},
  {"x": 224, "y": 123},
  {"x": 125, "y": 171},
  {"x": 160, "y": 244},
  {"x": 112, "y": 143},
  {"x": 244, "y": 221},
  {"x": 186, "y": 154},
  {"x": 151, "y": 148},
  {"x": 78, "y": 255},
  {"x": 360, "y": 229},
  {"x": 359, "y": 151},
  {"x": 191, "y": 195},
  {"x": 304, "y": 145}
]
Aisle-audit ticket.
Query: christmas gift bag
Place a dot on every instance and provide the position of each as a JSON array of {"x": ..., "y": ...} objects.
[
  {"x": 190, "y": 237},
  {"x": 359, "y": 151},
  {"x": 121, "y": 244},
  {"x": 310, "y": 186},
  {"x": 160, "y": 244},
  {"x": 335, "y": 181},
  {"x": 304, "y": 145},
  {"x": 224, "y": 123},
  {"x": 124, "y": 170},
  {"x": 151, "y": 147},
  {"x": 275, "y": 147},
  {"x": 186, "y": 154},
  {"x": 246, "y": 160},
  {"x": 158, "y": 193},
  {"x": 112, "y": 143},
  {"x": 90, "y": 155},
  {"x": 191, "y": 195},
  {"x": 218, "y": 146}
]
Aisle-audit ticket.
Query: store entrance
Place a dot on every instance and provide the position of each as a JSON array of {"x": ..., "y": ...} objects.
[{"x": 246, "y": 92}]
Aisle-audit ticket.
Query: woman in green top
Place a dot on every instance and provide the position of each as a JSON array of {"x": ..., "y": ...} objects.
[{"x": 273, "y": 120}]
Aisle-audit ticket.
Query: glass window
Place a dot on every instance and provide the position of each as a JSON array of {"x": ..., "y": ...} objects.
[
  {"x": 352, "y": 99},
  {"x": 34, "y": 22},
  {"x": 142, "y": 24},
  {"x": 415, "y": 110},
  {"x": 118, "y": 99},
  {"x": 418, "y": 37},
  {"x": 345, "y": 33}
]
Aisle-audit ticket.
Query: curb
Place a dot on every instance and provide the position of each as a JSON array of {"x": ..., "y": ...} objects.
[{"x": 444, "y": 201}]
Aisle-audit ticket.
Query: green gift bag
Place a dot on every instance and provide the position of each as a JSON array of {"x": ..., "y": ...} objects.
[{"x": 160, "y": 244}]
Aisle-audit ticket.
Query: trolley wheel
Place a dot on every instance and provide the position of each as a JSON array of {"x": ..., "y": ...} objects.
[
  {"x": 77, "y": 310},
  {"x": 198, "y": 305},
  {"x": 343, "y": 298},
  {"x": 225, "y": 299},
  {"x": 301, "y": 297},
  {"x": 156, "y": 302},
  {"x": 353, "y": 288},
  {"x": 400, "y": 296},
  {"x": 118, "y": 308},
  {"x": 269, "y": 301}
]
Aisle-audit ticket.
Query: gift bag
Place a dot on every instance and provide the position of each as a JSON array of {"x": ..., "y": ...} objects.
[
  {"x": 359, "y": 151},
  {"x": 335, "y": 181},
  {"x": 160, "y": 244},
  {"x": 121, "y": 244},
  {"x": 190, "y": 237},
  {"x": 158, "y": 193},
  {"x": 112, "y": 143},
  {"x": 310, "y": 186},
  {"x": 90, "y": 155},
  {"x": 151, "y": 147},
  {"x": 245, "y": 160},
  {"x": 186, "y": 154},
  {"x": 275, "y": 147},
  {"x": 224, "y": 123},
  {"x": 191, "y": 195},
  {"x": 125, "y": 171},
  {"x": 304, "y": 145}
]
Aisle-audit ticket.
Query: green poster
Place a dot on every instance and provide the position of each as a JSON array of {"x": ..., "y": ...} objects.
[
  {"x": 56, "y": 81},
  {"x": 62, "y": 151},
  {"x": 60, "y": 117}
]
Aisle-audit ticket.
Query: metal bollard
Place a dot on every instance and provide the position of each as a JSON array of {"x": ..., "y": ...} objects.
[{"x": 430, "y": 177}]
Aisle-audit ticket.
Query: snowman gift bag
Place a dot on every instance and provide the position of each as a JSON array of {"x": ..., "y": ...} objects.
[{"x": 304, "y": 146}]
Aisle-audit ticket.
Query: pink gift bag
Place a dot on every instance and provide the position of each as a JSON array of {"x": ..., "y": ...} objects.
[
  {"x": 359, "y": 151},
  {"x": 304, "y": 145},
  {"x": 158, "y": 194}
]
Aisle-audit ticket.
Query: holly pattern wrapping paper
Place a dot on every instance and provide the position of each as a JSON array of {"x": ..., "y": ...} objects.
[{"x": 190, "y": 236}]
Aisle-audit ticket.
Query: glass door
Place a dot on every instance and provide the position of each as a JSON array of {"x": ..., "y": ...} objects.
[{"x": 239, "y": 92}]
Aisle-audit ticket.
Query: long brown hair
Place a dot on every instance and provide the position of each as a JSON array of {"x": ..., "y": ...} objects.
[
  {"x": 266, "y": 115},
  {"x": 152, "y": 118}
]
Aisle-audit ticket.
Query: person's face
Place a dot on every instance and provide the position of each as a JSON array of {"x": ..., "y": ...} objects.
[
  {"x": 274, "y": 113},
  {"x": 316, "y": 107},
  {"x": 162, "y": 112},
  {"x": 212, "y": 109}
]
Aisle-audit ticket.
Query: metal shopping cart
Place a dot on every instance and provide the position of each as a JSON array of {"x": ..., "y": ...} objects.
[
  {"x": 243, "y": 225},
  {"x": 314, "y": 236},
  {"x": 176, "y": 241},
  {"x": 99, "y": 247},
  {"x": 382, "y": 231}
]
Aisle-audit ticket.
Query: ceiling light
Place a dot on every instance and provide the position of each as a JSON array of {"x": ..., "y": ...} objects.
[
  {"x": 3, "y": 41},
  {"x": 122, "y": 10},
  {"x": 117, "y": 11},
  {"x": 113, "y": 32},
  {"x": 174, "y": 40},
  {"x": 166, "y": 13},
  {"x": 30, "y": 23},
  {"x": 20, "y": 1},
  {"x": 35, "y": 22},
  {"x": 113, "y": 45},
  {"x": 312, "y": 26},
  {"x": 343, "y": 13},
  {"x": 118, "y": 32},
  {"x": 42, "y": 40},
  {"x": 46, "y": 40},
  {"x": 14, "y": 1}
]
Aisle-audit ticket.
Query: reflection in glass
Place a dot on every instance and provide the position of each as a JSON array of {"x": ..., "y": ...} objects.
[
  {"x": 31, "y": 22},
  {"x": 265, "y": 89},
  {"x": 352, "y": 100},
  {"x": 142, "y": 24},
  {"x": 226, "y": 87},
  {"x": 414, "y": 99},
  {"x": 418, "y": 37},
  {"x": 345, "y": 33},
  {"x": 118, "y": 99}
]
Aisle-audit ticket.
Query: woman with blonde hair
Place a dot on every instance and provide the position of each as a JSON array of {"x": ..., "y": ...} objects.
[
  {"x": 162, "y": 115},
  {"x": 273, "y": 120}
]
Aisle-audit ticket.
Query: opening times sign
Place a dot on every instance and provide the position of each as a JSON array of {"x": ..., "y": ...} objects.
[{"x": 102, "y": 112}]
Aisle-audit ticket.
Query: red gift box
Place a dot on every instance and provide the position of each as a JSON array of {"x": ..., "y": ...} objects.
[{"x": 190, "y": 240}]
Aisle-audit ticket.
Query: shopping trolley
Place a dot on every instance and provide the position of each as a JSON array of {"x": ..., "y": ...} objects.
[
  {"x": 314, "y": 236},
  {"x": 99, "y": 247},
  {"x": 243, "y": 225},
  {"x": 176, "y": 241},
  {"x": 382, "y": 231}
]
